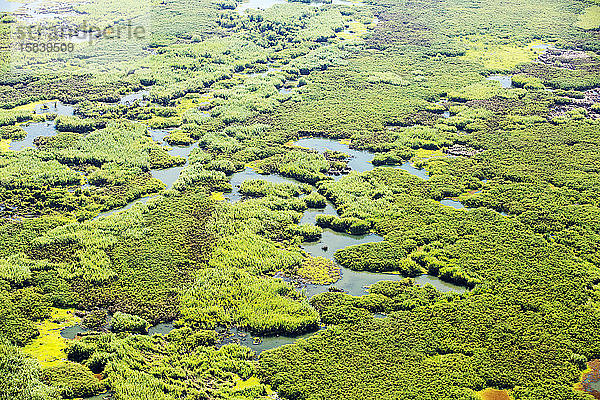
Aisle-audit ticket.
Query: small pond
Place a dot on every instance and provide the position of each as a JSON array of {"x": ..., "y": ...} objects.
[
  {"x": 239, "y": 177},
  {"x": 55, "y": 107},
  {"x": 45, "y": 128},
  {"x": 133, "y": 97},
  {"x": 360, "y": 160},
  {"x": 71, "y": 331},
  {"x": 8, "y": 6},
  {"x": 356, "y": 282},
  {"x": 168, "y": 176},
  {"x": 233, "y": 335},
  {"x": 505, "y": 81},
  {"x": 541, "y": 46},
  {"x": 309, "y": 216},
  {"x": 161, "y": 329},
  {"x": 158, "y": 135},
  {"x": 33, "y": 130},
  {"x": 453, "y": 203},
  {"x": 182, "y": 151},
  {"x": 332, "y": 241},
  {"x": 411, "y": 169}
]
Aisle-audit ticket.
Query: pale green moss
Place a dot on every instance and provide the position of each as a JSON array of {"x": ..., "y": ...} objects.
[{"x": 590, "y": 19}]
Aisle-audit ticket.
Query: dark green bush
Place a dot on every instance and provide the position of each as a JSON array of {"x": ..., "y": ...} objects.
[{"x": 122, "y": 322}]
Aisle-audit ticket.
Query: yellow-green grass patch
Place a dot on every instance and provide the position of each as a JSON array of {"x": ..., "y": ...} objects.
[
  {"x": 4, "y": 144},
  {"x": 589, "y": 19},
  {"x": 48, "y": 348},
  {"x": 217, "y": 196},
  {"x": 497, "y": 57},
  {"x": 319, "y": 270}
]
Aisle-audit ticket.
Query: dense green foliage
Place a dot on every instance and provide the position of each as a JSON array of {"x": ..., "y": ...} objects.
[
  {"x": 20, "y": 376},
  {"x": 262, "y": 306},
  {"x": 72, "y": 380},
  {"x": 403, "y": 80},
  {"x": 122, "y": 322}
]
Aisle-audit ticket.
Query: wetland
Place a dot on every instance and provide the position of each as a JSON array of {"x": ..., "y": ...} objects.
[{"x": 299, "y": 200}]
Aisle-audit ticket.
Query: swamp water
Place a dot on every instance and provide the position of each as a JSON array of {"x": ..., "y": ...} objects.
[
  {"x": 168, "y": 176},
  {"x": 133, "y": 97},
  {"x": 8, "y": 6},
  {"x": 44, "y": 128},
  {"x": 505, "y": 81},
  {"x": 70, "y": 332},
  {"x": 354, "y": 282},
  {"x": 255, "y": 343},
  {"x": 452, "y": 203},
  {"x": 239, "y": 177},
  {"x": 101, "y": 396},
  {"x": 125, "y": 207},
  {"x": 264, "y": 4}
]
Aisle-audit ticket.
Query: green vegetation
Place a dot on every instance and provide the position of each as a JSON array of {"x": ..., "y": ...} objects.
[
  {"x": 590, "y": 18},
  {"x": 122, "y": 322},
  {"x": 72, "y": 380},
  {"x": 183, "y": 363},
  {"x": 226, "y": 297},
  {"x": 319, "y": 270},
  {"x": 20, "y": 376},
  {"x": 233, "y": 90}
]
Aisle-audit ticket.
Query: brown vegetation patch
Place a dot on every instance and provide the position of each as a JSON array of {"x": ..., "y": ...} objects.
[
  {"x": 589, "y": 378},
  {"x": 461, "y": 150},
  {"x": 590, "y": 97},
  {"x": 563, "y": 58},
  {"x": 497, "y": 104},
  {"x": 494, "y": 394}
]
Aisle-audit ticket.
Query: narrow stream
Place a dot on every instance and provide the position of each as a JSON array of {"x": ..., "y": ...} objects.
[
  {"x": 168, "y": 176},
  {"x": 258, "y": 344},
  {"x": 125, "y": 207}
]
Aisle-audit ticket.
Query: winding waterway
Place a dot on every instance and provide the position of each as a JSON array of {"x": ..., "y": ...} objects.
[{"x": 353, "y": 282}]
